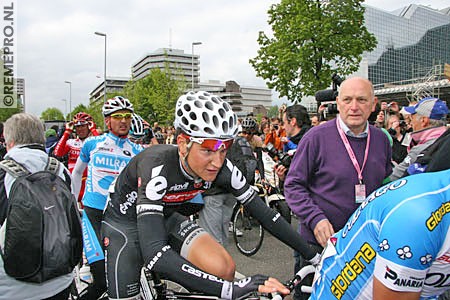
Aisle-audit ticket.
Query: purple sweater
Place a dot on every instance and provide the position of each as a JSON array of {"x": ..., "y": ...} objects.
[{"x": 321, "y": 179}]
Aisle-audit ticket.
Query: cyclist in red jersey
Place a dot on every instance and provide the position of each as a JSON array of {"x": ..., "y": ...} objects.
[{"x": 84, "y": 127}]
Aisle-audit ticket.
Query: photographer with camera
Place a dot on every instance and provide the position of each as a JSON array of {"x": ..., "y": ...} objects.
[
  {"x": 275, "y": 134},
  {"x": 296, "y": 123},
  {"x": 336, "y": 165}
]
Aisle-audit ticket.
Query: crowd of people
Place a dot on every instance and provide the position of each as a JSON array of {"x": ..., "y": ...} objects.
[{"x": 331, "y": 169}]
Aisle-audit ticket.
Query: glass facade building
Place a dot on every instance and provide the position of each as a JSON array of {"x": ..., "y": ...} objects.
[{"x": 411, "y": 41}]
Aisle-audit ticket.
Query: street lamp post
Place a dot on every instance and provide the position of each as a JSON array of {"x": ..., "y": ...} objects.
[
  {"x": 104, "y": 71},
  {"x": 70, "y": 99},
  {"x": 65, "y": 108},
  {"x": 193, "y": 44}
]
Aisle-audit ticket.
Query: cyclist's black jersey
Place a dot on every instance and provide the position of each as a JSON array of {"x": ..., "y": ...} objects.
[
  {"x": 156, "y": 182},
  {"x": 154, "y": 185}
]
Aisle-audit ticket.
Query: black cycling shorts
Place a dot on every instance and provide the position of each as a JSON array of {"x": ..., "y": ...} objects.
[{"x": 123, "y": 254}]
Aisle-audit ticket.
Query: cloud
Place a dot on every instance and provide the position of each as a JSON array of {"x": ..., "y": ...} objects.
[{"x": 56, "y": 41}]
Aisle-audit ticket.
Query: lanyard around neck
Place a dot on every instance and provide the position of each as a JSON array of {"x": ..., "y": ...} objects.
[{"x": 350, "y": 152}]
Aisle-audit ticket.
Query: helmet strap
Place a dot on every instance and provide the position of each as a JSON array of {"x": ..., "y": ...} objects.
[{"x": 186, "y": 164}]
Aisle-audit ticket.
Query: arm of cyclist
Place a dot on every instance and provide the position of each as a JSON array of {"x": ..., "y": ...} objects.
[
  {"x": 232, "y": 179},
  {"x": 159, "y": 256},
  {"x": 381, "y": 292},
  {"x": 77, "y": 176},
  {"x": 62, "y": 148}
]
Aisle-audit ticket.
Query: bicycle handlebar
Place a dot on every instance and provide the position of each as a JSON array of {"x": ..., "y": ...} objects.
[{"x": 299, "y": 276}]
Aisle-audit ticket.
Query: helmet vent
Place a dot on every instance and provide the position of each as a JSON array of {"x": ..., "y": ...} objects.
[{"x": 198, "y": 104}]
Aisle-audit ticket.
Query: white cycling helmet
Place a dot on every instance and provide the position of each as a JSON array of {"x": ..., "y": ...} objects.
[
  {"x": 137, "y": 126},
  {"x": 201, "y": 114},
  {"x": 115, "y": 104}
]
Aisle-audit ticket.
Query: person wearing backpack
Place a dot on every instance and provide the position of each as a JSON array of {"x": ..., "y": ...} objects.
[{"x": 25, "y": 140}]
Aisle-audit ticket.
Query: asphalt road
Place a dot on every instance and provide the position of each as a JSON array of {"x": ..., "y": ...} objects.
[{"x": 274, "y": 258}]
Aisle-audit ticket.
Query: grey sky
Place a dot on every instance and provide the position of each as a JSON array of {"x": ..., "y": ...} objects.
[{"x": 56, "y": 41}]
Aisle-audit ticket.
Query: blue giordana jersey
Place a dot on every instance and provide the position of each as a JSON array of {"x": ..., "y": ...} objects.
[
  {"x": 400, "y": 235},
  {"x": 106, "y": 155}
]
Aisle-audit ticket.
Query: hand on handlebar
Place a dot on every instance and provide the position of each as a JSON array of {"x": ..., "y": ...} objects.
[{"x": 260, "y": 283}]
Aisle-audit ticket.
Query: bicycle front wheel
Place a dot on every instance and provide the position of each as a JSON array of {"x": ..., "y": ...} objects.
[{"x": 248, "y": 233}]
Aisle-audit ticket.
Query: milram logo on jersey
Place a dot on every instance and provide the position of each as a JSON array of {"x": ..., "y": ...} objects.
[
  {"x": 400, "y": 281},
  {"x": 437, "y": 216},
  {"x": 110, "y": 162},
  {"x": 352, "y": 269}
]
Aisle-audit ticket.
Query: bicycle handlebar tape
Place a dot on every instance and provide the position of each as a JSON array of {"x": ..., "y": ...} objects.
[{"x": 274, "y": 223}]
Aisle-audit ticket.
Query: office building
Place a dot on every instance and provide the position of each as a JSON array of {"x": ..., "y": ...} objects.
[
  {"x": 113, "y": 85},
  {"x": 181, "y": 65},
  {"x": 243, "y": 99},
  {"x": 413, "y": 46}
]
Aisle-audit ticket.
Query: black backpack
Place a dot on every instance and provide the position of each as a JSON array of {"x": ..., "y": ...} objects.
[
  {"x": 241, "y": 154},
  {"x": 42, "y": 230}
]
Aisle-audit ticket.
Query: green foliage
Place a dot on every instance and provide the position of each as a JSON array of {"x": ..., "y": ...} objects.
[
  {"x": 272, "y": 112},
  {"x": 5, "y": 113},
  {"x": 52, "y": 114},
  {"x": 311, "y": 40},
  {"x": 95, "y": 110}
]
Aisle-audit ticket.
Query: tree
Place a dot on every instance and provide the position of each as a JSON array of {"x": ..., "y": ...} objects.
[
  {"x": 312, "y": 39},
  {"x": 5, "y": 113},
  {"x": 154, "y": 96},
  {"x": 51, "y": 114}
]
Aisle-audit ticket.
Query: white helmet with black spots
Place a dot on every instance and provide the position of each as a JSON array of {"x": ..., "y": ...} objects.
[
  {"x": 249, "y": 124},
  {"x": 137, "y": 125},
  {"x": 115, "y": 104},
  {"x": 201, "y": 114}
]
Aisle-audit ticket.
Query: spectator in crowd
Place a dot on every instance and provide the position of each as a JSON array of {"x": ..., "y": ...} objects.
[
  {"x": 24, "y": 137},
  {"x": 275, "y": 134},
  {"x": 379, "y": 122},
  {"x": 170, "y": 137},
  {"x": 295, "y": 123},
  {"x": 314, "y": 120},
  {"x": 51, "y": 139},
  {"x": 156, "y": 127},
  {"x": 105, "y": 157},
  {"x": 264, "y": 129},
  {"x": 428, "y": 121},
  {"x": 395, "y": 127},
  {"x": 336, "y": 165}
]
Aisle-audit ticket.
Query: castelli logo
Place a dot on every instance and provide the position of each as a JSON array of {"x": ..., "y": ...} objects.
[{"x": 106, "y": 241}]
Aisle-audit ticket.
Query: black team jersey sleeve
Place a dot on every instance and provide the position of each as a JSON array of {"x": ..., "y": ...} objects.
[
  {"x": 153, "y": 170},
  {"x": 231, "y": 179}
]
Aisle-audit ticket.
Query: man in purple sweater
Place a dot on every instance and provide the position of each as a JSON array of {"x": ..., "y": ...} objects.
[{"x": 337, "y": 164}]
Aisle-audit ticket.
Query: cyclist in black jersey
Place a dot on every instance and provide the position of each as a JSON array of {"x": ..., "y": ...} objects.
[{"x": 145, "y": 220}]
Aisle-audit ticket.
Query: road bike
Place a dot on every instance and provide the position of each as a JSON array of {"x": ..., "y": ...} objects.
[
  {"x": 155, "y": 288},
  {"x": 248, "y": 233}
]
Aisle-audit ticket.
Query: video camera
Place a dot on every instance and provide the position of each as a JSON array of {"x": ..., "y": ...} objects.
[
  {"x": 328, "y": 96},
  {"x": 279, "y": 157}
]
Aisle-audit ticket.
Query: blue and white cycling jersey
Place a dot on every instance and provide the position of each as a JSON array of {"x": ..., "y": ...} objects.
[
  {"x": 106, "y": 155},
  {"x": 400, "y": 235}
]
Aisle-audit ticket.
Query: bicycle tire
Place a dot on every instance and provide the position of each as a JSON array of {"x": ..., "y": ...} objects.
[{"x": 248, "y": 233}]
